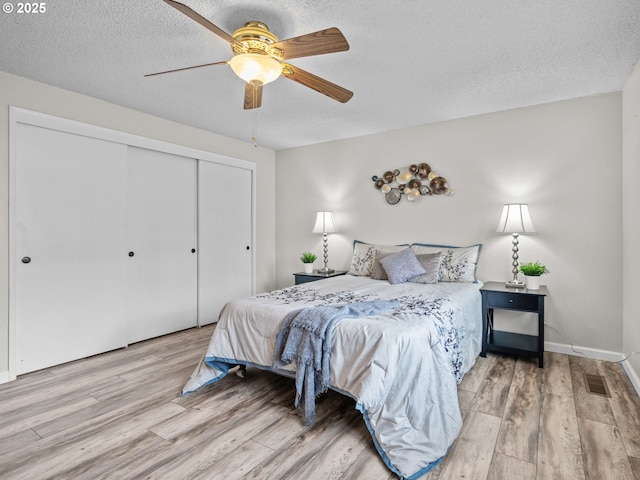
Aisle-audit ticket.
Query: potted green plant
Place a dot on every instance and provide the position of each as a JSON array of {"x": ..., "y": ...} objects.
[
  {"x": 532, "y": 273},
  {"x": 307, "y": 259}
]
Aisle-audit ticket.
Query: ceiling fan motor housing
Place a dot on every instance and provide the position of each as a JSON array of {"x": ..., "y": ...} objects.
[{"x": 256, "y": 38}]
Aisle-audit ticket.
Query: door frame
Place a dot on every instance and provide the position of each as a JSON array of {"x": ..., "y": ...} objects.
[{"x": 18, "y": 116}]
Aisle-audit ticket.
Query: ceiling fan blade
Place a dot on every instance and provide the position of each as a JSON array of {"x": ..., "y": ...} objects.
[
  {"x": 329, "y": 40},
  {"x": 204, "y": 22},
  {"x": 316, "y": 83},
  {"x": 186, "y": 68},
  {"x": 252, "y": 95}
]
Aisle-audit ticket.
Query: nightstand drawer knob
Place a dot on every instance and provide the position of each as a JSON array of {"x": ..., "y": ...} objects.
[{"x": 511, "y": 300}]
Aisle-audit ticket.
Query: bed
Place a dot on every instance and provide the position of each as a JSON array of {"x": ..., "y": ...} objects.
[{"x": 401, "y": 366}]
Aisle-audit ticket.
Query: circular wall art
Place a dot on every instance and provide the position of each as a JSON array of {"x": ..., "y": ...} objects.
[
  {"x": 393, "y": 196},
  {"x": 413, "y": 182}
]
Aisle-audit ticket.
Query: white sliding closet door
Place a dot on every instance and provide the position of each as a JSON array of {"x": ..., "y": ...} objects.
[
  {"x": 162, "y": 227},
  {"x": 224, "y": 237},
  {"x": 69, "y": 249}
]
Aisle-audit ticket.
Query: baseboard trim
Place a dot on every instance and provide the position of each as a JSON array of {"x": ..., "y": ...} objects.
[
  {"x": 594, "y": 353},
  {"x": 633, "y": 375},
  {"x": 597, "y": 354},
  {"x": 6, "y": 377}
]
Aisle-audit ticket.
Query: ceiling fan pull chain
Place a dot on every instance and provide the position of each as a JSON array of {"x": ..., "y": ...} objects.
[{"x": 254, "y": 137}]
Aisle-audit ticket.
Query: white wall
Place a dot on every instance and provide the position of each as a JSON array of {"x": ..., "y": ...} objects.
[
  {"x": 36, "y": 96},
  {"x": 563, "y": 159},
  {"x": 631, "y": 221}
]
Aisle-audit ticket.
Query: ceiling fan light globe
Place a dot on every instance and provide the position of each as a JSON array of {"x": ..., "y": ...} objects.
[{"x": 255, "y": 67}]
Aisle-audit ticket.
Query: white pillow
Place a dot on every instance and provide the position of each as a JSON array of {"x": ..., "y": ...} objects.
[
  {"x": 457, "y": 264},
  {"x": 363, "y": 258}
]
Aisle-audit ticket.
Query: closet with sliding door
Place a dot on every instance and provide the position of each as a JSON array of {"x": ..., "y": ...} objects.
[{"x": 116, "y": 238}]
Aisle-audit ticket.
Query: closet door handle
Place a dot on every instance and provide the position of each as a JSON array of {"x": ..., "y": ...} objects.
[
  {"x": 193, "y": 250},
  {"x": 248, "y": 248},
  {"x": 26, "y": 259},
  {"x": 131, "y": 254}
]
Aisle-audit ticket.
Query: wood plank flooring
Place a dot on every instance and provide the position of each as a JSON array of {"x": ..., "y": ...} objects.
[{"x": 119, "y": 416}]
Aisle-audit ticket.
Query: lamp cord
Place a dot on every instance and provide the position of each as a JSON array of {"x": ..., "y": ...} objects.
[{"x": 582, "y": 353}]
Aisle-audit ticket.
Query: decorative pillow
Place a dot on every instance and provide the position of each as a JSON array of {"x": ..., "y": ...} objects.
[
  {"x": 431, "y": 263},
  {"x": 402, "y": 266},
  {"x": 457, "y": 264},
  {"x": 377, "y": 272},
  {"x": 362, "y": 259}
]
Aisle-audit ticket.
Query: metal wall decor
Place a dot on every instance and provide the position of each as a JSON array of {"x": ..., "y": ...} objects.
[{"x": 411, "y": 182}]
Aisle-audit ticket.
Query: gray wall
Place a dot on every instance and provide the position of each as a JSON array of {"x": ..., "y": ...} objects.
[
  {"x": 564, "y": 159},
  {"x": 631, "y": 219}
]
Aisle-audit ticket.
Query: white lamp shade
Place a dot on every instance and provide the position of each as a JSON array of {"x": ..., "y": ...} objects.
[
  {"x": 324, "y": 223},
  {"x": 516, "y": 219},
  {"x": 255, "y": 67}
]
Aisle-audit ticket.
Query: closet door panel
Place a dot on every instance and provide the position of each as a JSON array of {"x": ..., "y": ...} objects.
[
  {"x": 224, "y": 237},
  {"x": 161, "y": 226},
  {"x": 69, "y": 264}
]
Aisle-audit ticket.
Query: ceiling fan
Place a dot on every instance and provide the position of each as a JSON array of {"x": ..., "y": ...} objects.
[{"x": 260, "y": 57}]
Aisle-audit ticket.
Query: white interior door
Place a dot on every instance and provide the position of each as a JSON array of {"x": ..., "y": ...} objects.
[
  {"x": 162, "y": 228},
  {"x": 224, "y": 237},
  {"x": 69, "y": 255}
]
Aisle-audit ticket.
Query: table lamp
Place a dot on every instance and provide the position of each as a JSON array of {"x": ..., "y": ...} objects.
[
  {"x": 515, "y": 220},
  {"x": 324, "y": 225}
]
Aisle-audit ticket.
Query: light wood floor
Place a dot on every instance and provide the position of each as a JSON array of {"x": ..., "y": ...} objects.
[{"x": 118, "y": 415}]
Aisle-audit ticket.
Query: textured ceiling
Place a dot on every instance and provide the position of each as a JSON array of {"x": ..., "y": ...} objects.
[{"x": 411, "y": 62}]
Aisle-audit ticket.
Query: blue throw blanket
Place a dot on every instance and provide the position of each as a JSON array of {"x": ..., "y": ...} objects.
[{"x": 305, "y": 336}]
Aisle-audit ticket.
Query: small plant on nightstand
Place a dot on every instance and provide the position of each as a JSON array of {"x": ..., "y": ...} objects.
[
  {"x": 532, "y": 272},
  {"x": 308, "y": 258}
]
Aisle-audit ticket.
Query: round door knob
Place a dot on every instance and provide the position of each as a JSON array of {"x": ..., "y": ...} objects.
[
  {"x": 131, "y": 254},
  {"x": 26, "y": 259},
  {"x": 248, "y": 247},
  {"x": 193, "y": 250}
]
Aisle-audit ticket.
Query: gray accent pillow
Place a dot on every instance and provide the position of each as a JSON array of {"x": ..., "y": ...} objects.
[
  {"x": 431, "y": 263},
  {"x": 377, "y": 271},
  {"x": 402, "y": 266}
]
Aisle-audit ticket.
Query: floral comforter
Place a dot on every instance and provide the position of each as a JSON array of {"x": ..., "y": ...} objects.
[{"x": 401, "y": 367}]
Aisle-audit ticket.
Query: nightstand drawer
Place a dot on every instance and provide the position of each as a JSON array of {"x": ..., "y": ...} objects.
[
  {"x": 306, "y": 278},
  {"x": 512, "y": 301},
  {"x": 316, "y": 275}
]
